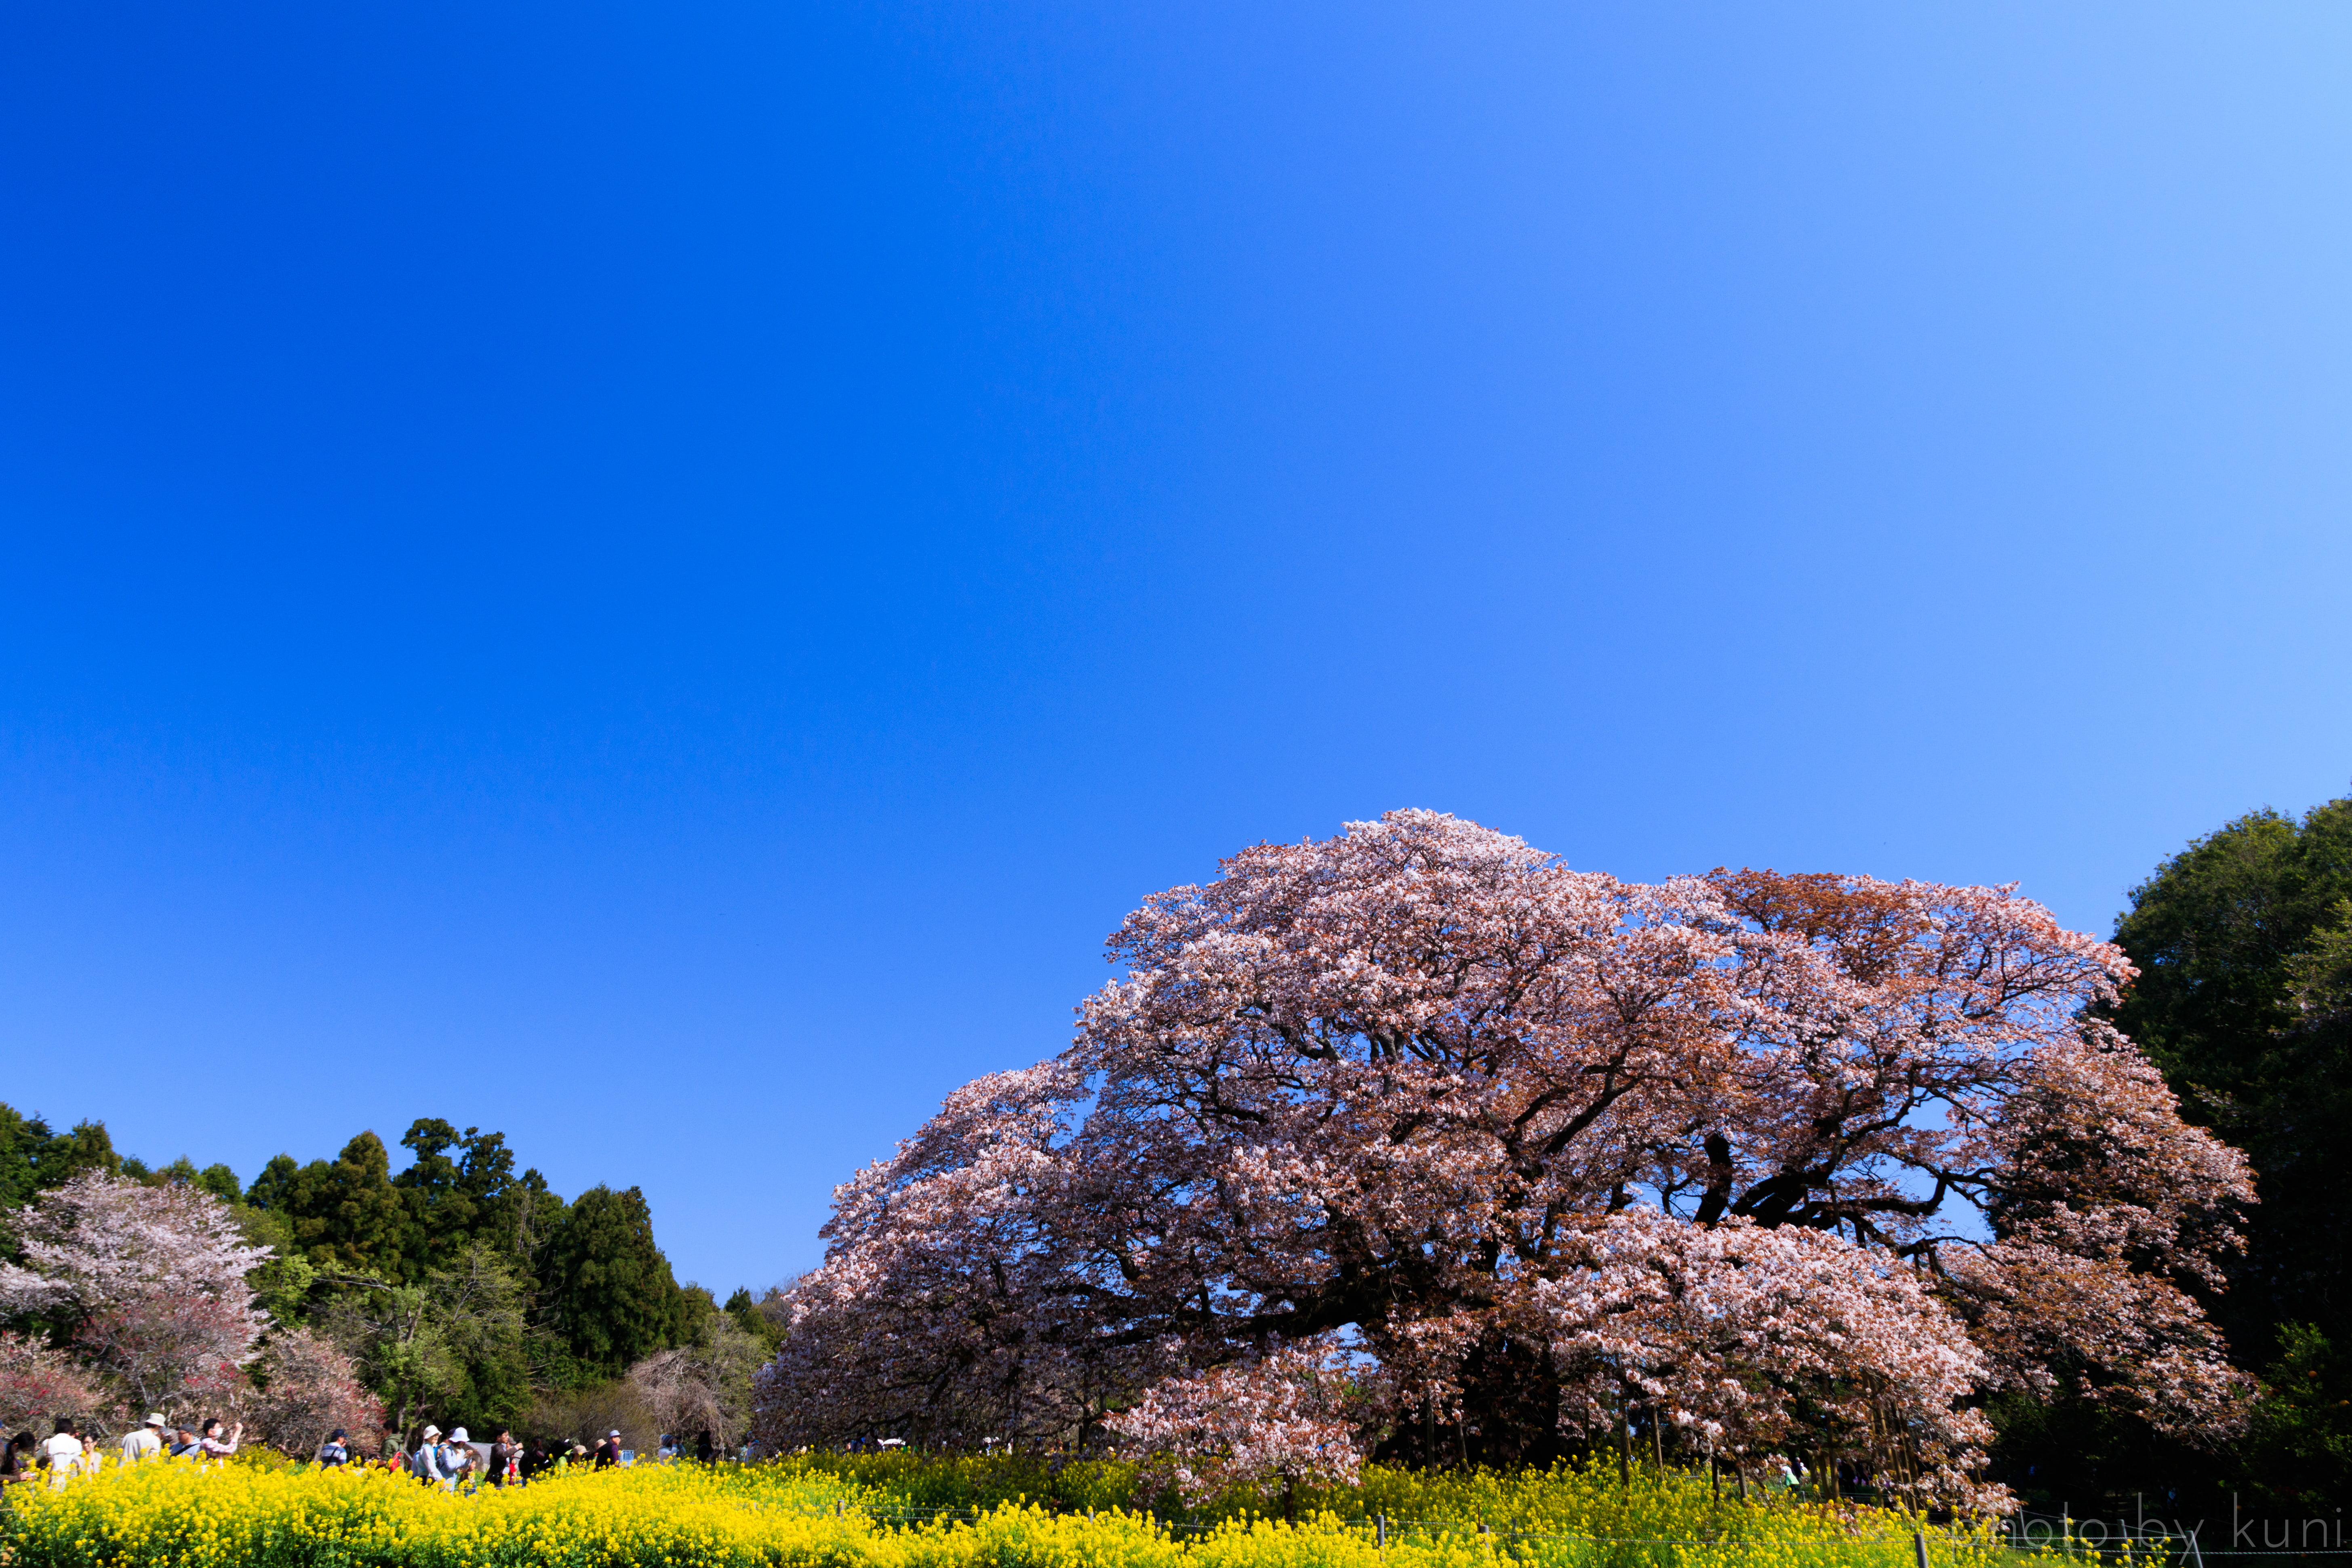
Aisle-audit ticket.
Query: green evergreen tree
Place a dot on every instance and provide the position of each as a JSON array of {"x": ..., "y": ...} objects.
[
  {"x": 458, "y": 1189},
  {"x": 2243, "y": 941},
  {"x": 69, "y": 1154},
  {"x": 606, "y": 1287},
  {"x": 22, "y": 1138},
  {"x": 767, "y": 1327},
  {"x": 343, "y": 1216},
  {"x": 2221, "y": 935}
]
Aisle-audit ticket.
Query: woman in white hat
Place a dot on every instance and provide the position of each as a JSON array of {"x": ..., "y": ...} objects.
[
  {"x": 425, "y": 1464},
  {"x": 456, "y": 1459}
]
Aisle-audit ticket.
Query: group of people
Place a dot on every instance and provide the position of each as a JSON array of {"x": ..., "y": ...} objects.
[
  {"x": 452, "y": 1459},
  {"x": 69, "y": 1451},
  {"x": 674, "y": 1447},
  {"x": 448, "y": 1461}
]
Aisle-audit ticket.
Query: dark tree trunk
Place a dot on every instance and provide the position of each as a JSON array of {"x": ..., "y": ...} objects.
[{"x": 1510, "y": 1412}]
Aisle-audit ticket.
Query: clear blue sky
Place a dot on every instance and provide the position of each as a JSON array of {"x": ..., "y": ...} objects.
[{"x": 656, "y": 576}]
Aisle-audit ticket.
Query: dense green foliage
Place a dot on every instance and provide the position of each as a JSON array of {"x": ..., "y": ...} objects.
[
  {"x": 466, "y": 1281},
  {"x": 2243, "y": 941},
  {"x": 33, "y": 1157},
  {"x": 2229, "y": 936},
  {"x": 462, "y": 1287},
  {"x": 608, "y": 1288}
]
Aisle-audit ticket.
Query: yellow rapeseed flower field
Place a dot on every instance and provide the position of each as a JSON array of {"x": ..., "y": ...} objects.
[{"x": 806, "y": 1512}]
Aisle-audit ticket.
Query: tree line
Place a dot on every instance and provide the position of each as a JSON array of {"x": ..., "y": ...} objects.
[
  {"x": 461, "y": 1288},
  {"x": 1352, "y": 1083}
]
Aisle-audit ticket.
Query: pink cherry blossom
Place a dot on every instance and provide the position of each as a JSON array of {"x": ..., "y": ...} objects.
[
  {"x": 1278, "y": 1417},
  {"x": 152, "y": 1281},
  {"x": 1403, "y": 1084},
  {"x": 306, "y": 1389},
  {"x": 1735, "y": 1333}
]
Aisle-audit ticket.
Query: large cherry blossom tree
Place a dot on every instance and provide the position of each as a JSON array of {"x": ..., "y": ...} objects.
[
  {"x": 1426, "y": 1086},
  {"x": 147, "y": 1284}
]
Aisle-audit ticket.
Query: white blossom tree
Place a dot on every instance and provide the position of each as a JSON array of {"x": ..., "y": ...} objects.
[{"x": 147, "y": 1283}]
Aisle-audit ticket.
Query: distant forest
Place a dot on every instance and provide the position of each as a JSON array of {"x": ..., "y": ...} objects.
[{"x": 462, "y": 1289}]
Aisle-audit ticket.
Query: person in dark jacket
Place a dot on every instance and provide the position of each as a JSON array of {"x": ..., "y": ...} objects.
[
  {"x": 608, "y": 1452},
  {"x": 506, "y": 1459},
  {"x": 16, "y": 1458}
]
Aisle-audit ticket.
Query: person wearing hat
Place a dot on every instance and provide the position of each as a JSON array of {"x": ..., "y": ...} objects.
[
  {"x": 608, "y": 1452},
  {"x": 143, "y": 1442},
  {"x": 456, "y": 1458},
  {"x": 425, "y": 1464},
  {"x": 335, "y": 1453}
]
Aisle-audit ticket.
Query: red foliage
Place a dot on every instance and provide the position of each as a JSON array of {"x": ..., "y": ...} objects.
[
  {"x": 307, "y": 1388},
  {"x": 37, "y": 1383}
]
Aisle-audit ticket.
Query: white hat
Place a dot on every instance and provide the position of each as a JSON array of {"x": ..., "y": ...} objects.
[
  {"x": 156, "y": 1421},
  {"x": 613, "y": 1432},
  {"x": 458, "y": 1435},
  {"x": 433, "y": 1431}
]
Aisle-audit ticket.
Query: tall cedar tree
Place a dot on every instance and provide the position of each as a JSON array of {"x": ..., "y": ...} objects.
[
  {"x": 606, "y": 1287},
  {"x": 343, "y": 1217}
]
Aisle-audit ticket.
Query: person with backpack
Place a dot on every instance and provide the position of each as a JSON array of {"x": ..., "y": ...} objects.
[
  {"x": 426, "y": 1463},
  {"x": 334, "y": 1453}
]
